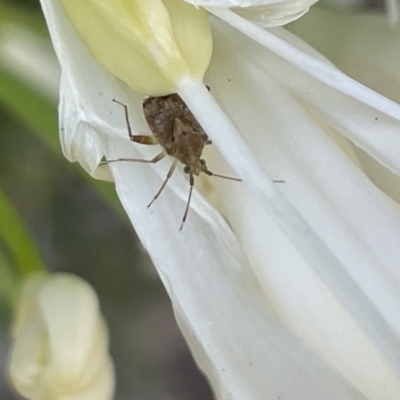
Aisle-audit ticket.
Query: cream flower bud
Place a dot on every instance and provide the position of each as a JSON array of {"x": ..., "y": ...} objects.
[
  {"x": 149, "y": 44},
  {"x": 60, "y": 342}
]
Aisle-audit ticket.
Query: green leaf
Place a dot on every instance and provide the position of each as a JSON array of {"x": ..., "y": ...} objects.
[
  {"x": 9, "y": 284},
  {"x": 38, "y": 113},
  {"x": 41, "y": 115},
  {"x": 18, "y": 240}
]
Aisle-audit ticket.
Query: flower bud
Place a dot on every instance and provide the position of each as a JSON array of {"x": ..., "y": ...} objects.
[
  {"x": 60, "y": 342},
  {"x": 149, "y": 44}
]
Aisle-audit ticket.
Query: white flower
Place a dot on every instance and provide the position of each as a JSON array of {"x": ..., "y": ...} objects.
[
  {"x": 60, "y": 342},
  {"x": 296, "y": 297}
]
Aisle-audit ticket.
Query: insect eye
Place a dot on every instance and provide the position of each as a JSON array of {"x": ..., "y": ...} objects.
[{"x": 186, "y": 170}]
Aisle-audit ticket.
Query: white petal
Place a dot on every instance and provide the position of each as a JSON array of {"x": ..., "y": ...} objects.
[
  {"x": 83, "y": 132},
  {"x": 383, "y": 145},
  {"x": 237, "y": 340},
  {"x": 366, "y": 49},
  {"x": 265, "y": 13},
  {"x": 351, "y": 215},
  {"x": 246, "y": 3},
  {"x": 366, "y": 53},
  {"x": 278, "y": 14}
]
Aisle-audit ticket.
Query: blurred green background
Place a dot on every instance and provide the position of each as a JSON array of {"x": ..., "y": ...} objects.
[{"x": 53, "y": 213}]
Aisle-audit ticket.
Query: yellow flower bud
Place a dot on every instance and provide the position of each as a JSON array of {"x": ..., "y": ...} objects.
[{"x": 149, "y": 44}]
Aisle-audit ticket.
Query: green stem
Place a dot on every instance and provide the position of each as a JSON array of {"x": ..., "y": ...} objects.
[
  {"x": 9, "y": 285},
  {"x": 18, "y": 240}
]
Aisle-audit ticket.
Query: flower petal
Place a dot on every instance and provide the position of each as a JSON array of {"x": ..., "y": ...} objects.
[
  {"x": 265, "y": 13},
  {"x": 277, "y": 14},
  {"x": 384, "y": 147},
  {"x": 237, "y": 339},
  {"x": 249, "y": 3},
  {"x": 357, "y": 222},
  {"x": 366, "y": 53}
]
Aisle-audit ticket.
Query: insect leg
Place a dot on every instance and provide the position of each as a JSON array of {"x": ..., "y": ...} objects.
[
  {"x": 170, "y": 172},
  {"x": 157, "y": 158},
  {"x": 143, "y": 139},
  {"x": 188, "y": 202}
]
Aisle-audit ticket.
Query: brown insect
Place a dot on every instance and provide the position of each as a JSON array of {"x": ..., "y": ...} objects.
[{"x": 180, "y": 135}]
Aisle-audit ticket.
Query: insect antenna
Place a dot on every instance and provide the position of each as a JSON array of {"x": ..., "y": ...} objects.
[
  {"x": 188, "y": 202},
  {"x": 208, "y": 172}
]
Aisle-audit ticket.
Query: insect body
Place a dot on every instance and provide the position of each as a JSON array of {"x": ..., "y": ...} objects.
[
  {"x": 177, "y": 130},
  {"x": 180, "y": 135}
]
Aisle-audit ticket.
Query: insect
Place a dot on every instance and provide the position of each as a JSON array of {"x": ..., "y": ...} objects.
[{"x": 180, "y": 135}]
